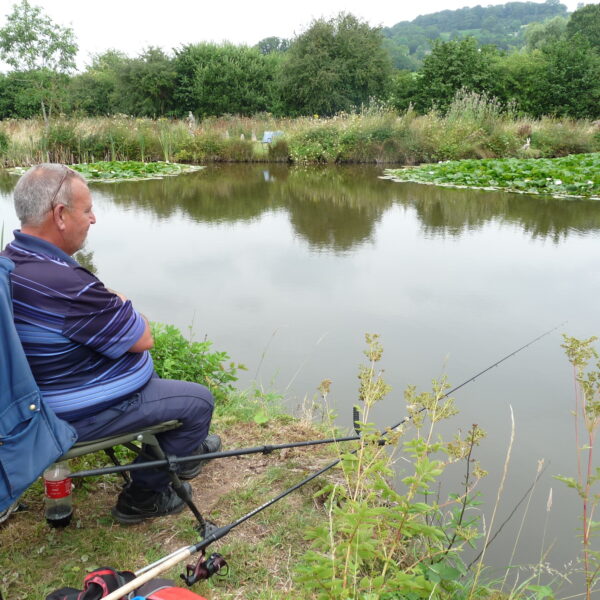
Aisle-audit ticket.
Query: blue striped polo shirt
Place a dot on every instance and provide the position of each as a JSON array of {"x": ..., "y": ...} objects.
[{"x": 75, "y": 333}]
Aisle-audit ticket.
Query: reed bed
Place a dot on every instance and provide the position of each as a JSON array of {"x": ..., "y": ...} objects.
[{"x": 474, "y": 127}]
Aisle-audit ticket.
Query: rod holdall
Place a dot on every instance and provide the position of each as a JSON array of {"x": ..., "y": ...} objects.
[
  {"x": 104, "y": 581},
  {"x": 96, "y": 585}
]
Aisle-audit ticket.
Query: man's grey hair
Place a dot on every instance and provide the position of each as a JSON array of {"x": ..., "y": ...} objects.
[{"x": 37, "y": 191}]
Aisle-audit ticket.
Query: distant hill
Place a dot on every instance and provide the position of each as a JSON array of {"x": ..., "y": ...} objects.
[{"x": 502, "y": 25}]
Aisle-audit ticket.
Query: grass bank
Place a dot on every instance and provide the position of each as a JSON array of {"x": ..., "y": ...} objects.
[
  {"x": 351, "y": 533},
  {"x": 474, "y": 127},
  {"x": 36, "y": 559}
]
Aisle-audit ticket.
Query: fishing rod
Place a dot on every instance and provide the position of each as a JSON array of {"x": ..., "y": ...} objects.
[
  {"x": 267, "y": 449},
  {"x": 206, "y": 567}
]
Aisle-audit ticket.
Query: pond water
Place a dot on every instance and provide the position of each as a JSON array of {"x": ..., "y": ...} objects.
[{"x": 287, "y": 268}]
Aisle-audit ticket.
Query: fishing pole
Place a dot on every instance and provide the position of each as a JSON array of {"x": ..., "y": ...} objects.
[
  {"x": 267, "y": 449},
  {"x": 205, "y": 568}
]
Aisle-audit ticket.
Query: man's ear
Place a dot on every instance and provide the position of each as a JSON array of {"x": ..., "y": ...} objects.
[{"x": 58, "y": 216}]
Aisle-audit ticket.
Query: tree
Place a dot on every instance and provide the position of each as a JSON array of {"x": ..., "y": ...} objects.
[
  {"x": 537, "y": 35},
  {"x": 403, "y": 89},
  {"x": 217, "y": 79},
  {"x": 94, "y": 92},
  {"x": 516, "y": 78},
  {"x": 586, "y": 22},
  {"x": 451, "y": 66},
  {"x": 145, "y": 85},
  {"x": 571, "y": 85},
  {"x": 31, "y": 41},
  {"x": 399, "y": 54},
  {"x": 335, "y": 65},
  {"x": 273, "y": 44}
]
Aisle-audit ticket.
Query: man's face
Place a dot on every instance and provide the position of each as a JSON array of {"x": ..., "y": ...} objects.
[{"x": 77, "y": 217}]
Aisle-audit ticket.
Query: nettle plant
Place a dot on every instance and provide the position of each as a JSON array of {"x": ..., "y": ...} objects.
[
  {"x": 384, "y": 538},
  {"x": 176, "y": 357},
  {"x": 581, "y": 354}
]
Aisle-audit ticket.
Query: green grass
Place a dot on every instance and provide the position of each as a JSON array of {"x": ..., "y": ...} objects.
[
  {"x": 36, "y": 559},
  {"x": 576, "y": 175}
]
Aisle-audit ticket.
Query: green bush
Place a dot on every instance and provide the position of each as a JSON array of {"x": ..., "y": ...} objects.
[
  {"x": 319, "y": 144},
  {"x": 501, "y": 144},
  {"x": 561, "y": 137},
  {"x": 4, "y": 142},
  {"x": 61, "y": 142},
  {"x": 201, "y": 148},
  {"x": 178, "y": 358},
  {"x": 93, "y": 147},
  {"x": 279, "y": 151},
  {"x": 239, "y": 150},
  {"x": 390, "y": 542}
]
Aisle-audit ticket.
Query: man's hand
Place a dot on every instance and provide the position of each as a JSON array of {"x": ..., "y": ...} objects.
[{"x": 117, "y": 294}]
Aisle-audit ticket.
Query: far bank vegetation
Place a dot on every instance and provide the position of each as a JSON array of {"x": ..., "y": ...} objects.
[{"x": 474, "y": 126}]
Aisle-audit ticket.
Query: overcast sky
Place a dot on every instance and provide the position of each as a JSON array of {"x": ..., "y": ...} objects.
[{"x": 131, "y": 25}]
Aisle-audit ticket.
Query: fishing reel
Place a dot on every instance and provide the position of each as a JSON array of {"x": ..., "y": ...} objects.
[{"x": 204, "y": 568}]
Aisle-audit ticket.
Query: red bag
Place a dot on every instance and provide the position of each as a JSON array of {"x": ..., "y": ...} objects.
[
  {"x": 173, "y": 593},
  {"x": 102, "y": 582}
]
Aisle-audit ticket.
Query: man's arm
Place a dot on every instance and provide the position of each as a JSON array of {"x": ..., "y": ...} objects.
[{"x": 146, "y": 341}]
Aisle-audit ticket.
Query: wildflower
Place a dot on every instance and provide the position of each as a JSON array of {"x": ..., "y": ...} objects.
[
  {"x": 431, "y": 172},
  {"x": 557, "y": 182}
]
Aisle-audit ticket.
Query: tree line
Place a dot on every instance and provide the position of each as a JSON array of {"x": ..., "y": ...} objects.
[
  {"x": 503, "y": 25},
  {"x": 335, "y": 65}
]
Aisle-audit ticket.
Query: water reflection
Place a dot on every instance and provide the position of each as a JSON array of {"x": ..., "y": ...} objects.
[
  {"x": 337, "y": 209},
  {"x": 334, "y": 210},
  {"x": 452, "y": 211},
  {"x": 330, "y": 208},
  {"x": 7, "y": 182}
]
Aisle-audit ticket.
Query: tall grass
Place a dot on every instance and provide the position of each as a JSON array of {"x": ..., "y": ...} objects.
[{"x": 475, "y": 126}]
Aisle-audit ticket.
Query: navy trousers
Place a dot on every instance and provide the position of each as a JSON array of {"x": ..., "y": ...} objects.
[{"x": 158, "y": 401}]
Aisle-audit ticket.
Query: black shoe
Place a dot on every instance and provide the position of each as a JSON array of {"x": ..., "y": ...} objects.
[
  {"x": 135, "y": 504},
  {"x": 212, "y": 443},
  {"x": 14, "y": 507}
]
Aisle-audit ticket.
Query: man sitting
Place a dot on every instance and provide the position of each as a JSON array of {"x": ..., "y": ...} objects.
[{"x": 88, "y": 347}]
